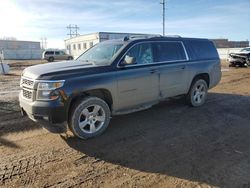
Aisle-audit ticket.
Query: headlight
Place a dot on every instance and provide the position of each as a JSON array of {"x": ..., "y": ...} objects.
[{"x": 45, "y": 89}]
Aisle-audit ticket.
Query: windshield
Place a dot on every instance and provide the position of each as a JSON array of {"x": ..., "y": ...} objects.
[
  {"x": 101, "y": 53},
  {"x": 245, "y": 50}
]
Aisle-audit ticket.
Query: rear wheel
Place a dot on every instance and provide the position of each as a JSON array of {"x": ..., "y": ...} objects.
[
  {"x": 51, "y": 59},
  {"x": 89, "y": 117},
  {"x": 70, "y": 58},
  {"x": 197, "y": 93}
]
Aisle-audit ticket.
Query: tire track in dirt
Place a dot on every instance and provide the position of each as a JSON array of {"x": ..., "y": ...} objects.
[{"x": 17, "y": 168}]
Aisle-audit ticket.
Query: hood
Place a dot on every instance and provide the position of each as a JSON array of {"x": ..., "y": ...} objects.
[{"x": 37, "y": 71}]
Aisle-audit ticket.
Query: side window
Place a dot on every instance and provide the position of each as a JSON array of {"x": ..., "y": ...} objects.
[
  {"x": 49, "y": 53},
  {"x": 62, "y": 53},
  {"x": 142, "y": 53},
  {"x": 202, "y": 49},
  {"x": 79, "y": 46},
  {"x": 57, "y": 53},
  {"x": 169, "y": 51}
]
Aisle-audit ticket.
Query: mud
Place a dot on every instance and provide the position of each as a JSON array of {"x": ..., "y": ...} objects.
[{"x": 169, "y": 145}]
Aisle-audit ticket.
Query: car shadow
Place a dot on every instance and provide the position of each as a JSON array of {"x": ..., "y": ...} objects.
[{"x": 209, "y": 144}]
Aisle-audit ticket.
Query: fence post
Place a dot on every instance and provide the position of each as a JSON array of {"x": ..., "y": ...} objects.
[{"x": 1, "y": 60}]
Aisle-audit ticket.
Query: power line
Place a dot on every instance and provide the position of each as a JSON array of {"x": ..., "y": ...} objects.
[
  {"x": 163, "y": 16},
  {"x": 73, "y": 30}
]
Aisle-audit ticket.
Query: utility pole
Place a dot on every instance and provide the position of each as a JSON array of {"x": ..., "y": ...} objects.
[
  {"x": 163, "y": 16},
  {"x": 43, "y": 43},
  {"x": 73, "y": 30}
]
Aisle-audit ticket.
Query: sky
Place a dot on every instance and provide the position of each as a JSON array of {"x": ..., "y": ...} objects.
[{"x": 36, "y": 19}]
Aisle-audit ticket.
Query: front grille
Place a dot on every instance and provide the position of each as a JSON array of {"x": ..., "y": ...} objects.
[
  {"x": 28, "y": 83},
  {"x": 27, "y": 94}
]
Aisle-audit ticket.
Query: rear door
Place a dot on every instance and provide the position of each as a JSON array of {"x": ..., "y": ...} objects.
[
  {"x": 63, "y": 55},
  {"x": 57, "y": 55},
  {"x": 138, "y": 83},
  {"x": 171, "y": 58}
]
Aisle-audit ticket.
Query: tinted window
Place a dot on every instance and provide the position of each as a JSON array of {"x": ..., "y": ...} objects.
[
  {"x": 142, "y": 53},
  {"x": 49, "y": 53},
  {"x": 57, "y": 53},
  {"x": 169, "y": 51},
  {"x": 201, "y": 49}
]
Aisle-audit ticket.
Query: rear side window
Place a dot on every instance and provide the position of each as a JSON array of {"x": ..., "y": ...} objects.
[
  {"x": 57, "y": 53},
  {"x": 49, "y": 53},
  {"x": 169, "y": 51},
  {"x": 202, "y": 49}
]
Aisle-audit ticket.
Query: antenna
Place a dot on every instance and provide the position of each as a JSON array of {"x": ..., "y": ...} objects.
[
  {"x": 163, "y": 16},
  {"x": 73, "y": 30}
]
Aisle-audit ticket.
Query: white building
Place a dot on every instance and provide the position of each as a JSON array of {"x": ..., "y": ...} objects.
[{"x": 77, "y": 45}]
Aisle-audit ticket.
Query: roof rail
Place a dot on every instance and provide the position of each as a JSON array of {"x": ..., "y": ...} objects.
[
  {"x": 174, "y": 36},
  {"x": 126, "y": 38}
]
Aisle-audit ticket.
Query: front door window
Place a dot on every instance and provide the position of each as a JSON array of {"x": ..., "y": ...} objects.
[{"x": 142, "y": 53}]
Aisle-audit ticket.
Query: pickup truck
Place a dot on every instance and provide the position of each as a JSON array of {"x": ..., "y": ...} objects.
[{"x": 119, "y": 77}]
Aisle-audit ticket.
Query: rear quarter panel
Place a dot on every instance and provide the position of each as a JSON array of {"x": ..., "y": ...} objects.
[{"x": 211, "y": 67}]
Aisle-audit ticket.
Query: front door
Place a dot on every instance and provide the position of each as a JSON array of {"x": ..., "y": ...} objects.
[{"x": 137, "y": 83}]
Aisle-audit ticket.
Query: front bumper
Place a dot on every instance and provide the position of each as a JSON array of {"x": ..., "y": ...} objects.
[{"x": 51, "y": 111}]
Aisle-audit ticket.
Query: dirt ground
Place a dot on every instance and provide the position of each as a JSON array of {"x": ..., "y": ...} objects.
[{"x": 169, "y": 145}]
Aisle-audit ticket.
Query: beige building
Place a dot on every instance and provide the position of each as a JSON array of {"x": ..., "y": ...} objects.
[{"x": 77, "y": 45}]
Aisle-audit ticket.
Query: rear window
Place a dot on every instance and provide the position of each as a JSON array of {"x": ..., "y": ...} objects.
[
  {"x": 201, "y": 50},
  {"x": 49, "y": 53},
  {"x": 169, "y": 51}
]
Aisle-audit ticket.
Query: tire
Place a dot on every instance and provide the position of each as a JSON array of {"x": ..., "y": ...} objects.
[
  {"x": 89, "y": 117},
  {"x": 197, "y": 94},
  {"x": 70, "y": 58},
  {"x": 51, "y": 59}
]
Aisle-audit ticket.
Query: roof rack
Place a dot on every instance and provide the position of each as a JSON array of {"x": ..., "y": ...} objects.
[
  {"x": 174, "y": 36},
  {"x": 126, "y": 38}
]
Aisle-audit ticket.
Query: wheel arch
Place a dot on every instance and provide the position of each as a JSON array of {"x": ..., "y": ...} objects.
[
  {"x": 204, "y": 76},
  {"x": 101, "y": 93}
]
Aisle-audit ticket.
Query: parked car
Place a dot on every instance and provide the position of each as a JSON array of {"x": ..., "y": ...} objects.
[
  {"x": 52, "y": 55},
  {"x": 119, "y": 77},
  {"x": 241, "y": 58}
]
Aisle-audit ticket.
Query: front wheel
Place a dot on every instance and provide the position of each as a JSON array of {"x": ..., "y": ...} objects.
[
  {"x": 197, "y": 93},
  {"x": 89, "y": 117}
]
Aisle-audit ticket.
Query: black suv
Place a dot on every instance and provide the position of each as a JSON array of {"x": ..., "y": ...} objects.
[{"x": 118, "y": 77}]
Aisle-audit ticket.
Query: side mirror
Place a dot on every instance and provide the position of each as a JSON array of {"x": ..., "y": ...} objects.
[{"x": 128, "y": 60}]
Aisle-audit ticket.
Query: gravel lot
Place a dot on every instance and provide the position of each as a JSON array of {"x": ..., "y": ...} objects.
[{"x": 169, "y": 145}]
